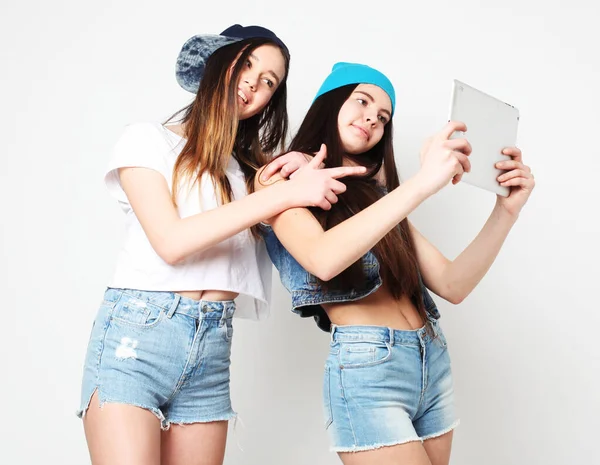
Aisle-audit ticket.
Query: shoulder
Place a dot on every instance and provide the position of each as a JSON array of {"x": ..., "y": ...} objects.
[
  {"x": 148, "y": 137},
  {"x": 142, "y": 131}
]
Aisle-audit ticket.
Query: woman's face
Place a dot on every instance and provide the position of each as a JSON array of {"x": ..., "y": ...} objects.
[
  {"x": 362, "y": 118},
  {"x": 262, "y": 74}
]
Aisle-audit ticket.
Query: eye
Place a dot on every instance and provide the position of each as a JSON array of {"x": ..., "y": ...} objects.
[
  {"x": 269, "y": 83},
  {"x": 248, "y": 64},
  {"x": 362, "y": 101},
  {"x": 383, "y": 119}
]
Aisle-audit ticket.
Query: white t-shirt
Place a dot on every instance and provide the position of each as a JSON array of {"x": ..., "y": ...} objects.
[{"x": 239, "y": 264}]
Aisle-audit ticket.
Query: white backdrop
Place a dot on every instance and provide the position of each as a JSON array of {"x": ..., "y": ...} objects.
[{"x": 524, "y": 345}]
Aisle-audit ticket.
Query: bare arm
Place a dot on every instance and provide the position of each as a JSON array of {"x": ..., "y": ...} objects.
[
  {"x": 325, "y": 254},
  {"x": 455, "y": 280},
  {"x": 174, "y": 238}
]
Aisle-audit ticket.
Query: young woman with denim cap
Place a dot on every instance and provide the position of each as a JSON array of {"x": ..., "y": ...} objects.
[
  {"x": 363, "y": 272},
  {"x": 158, "y": 356}
]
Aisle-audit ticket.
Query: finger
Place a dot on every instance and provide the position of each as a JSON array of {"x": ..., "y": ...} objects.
[
  {"x": 522, "y": 182},
  {"x": 289, "y": 168},
  {"x": 456, "y": 179},
  {"x": 272, "y": 168},
  {"x": 337, "y": 187},
  {"x": 459, "y": 145},
  {"x": 451, "y": 128},
  {"x": 513, "y": 174},
  {"x": 514, "y": 153},
  {"x": 343, "y": 171},
  {"x": 324, "y": 204},
  {"x": 464, "y": 161},
  {"x": 331, "y": 197},
  {"x": 512, "y": 165},
  {"x": 319, "y": 157}
]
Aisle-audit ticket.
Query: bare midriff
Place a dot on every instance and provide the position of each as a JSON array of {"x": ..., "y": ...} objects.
[
  {"x": 211, "y": 294},
  {"x": 377, "y": 309}
]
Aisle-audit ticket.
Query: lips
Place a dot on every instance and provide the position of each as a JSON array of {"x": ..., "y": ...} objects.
[{"x": 362, "y": 131}]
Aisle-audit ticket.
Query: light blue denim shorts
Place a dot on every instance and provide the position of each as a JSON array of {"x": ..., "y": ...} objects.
[
  {"x": 384, "y": 387},
  {"x": 162, "y": 352}
]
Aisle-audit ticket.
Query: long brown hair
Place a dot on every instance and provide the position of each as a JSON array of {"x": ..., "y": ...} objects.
[
  {"x": 212, "y": 128},
  {"x": 395, "y": 251}
]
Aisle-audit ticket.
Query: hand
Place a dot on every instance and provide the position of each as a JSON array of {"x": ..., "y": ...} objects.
[
  {"x": 518, "y": 177},
  {"x": 316, "y": 187},
  {"x": 285, "y": 165},
  {"x": 444, "y": 159}
]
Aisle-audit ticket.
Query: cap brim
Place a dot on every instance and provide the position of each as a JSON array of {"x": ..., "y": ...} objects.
[{"x": 192, "y": 58}]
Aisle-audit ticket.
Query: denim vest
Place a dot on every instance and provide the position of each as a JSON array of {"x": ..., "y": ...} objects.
[{"x": 307, "y": 292}]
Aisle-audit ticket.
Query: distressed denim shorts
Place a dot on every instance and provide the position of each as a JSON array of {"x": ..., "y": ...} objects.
[
  {"x": 384, "y": 387},
  {"x": 162, "y": 352}
]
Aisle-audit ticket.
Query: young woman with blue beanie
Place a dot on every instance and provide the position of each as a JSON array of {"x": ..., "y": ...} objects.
[{"x": 363, "y": 272}]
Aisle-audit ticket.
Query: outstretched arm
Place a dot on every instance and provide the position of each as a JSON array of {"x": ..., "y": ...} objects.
[
  {"x": 325, "y": 254},
  {"x": 174, "y": 238},
  {"x": 455, "y": 280}
]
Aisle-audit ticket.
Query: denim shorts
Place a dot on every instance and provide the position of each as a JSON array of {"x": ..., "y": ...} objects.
[
  {"x": 384, "y": 387},
  {"x": 162, "y": 352}
]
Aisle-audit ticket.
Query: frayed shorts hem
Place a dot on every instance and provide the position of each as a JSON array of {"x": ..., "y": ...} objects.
[
  {"x": 442, "y": 432},
  {"x": 188, "y": 421},
  {"x": 373, "y": 446},
  {"x": 156, "y": 412},
  {"x": 164, "y": 423},
  {"x": 395, "y": 443}
]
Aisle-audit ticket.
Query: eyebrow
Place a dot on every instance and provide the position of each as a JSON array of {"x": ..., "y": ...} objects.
[
  {"x": 372, "y": 100},
  {"x": 272, "y": 73}
]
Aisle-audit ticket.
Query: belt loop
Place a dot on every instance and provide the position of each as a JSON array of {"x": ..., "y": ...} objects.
[
  {"x": 391, "y": 330},
  {"x": 223, "y": 318},
  {"x": 333, "y": 327},
  {"x": 173, "y": 305},
  {"x": 434, "y": 328}
]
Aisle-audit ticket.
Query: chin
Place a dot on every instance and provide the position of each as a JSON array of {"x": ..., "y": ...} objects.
[
  {"x": 354, "y": 149},
  {"x": 244, "y": 114}
]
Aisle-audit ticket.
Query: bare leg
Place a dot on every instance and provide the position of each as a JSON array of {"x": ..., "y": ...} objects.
[
  {"x": 411, "y": 453},
  {"x": 438, "y": 449},
  {"x": 121, "y": 434},
  {"x": 194, "y": 444}
]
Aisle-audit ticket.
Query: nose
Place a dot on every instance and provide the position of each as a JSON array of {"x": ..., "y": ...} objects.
[{"x": 250, "y": 79}]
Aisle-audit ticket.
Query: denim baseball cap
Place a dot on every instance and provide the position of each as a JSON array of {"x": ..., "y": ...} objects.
[
  {"x": 343, "y": 74},
  {"x": 194, "y": 53}
]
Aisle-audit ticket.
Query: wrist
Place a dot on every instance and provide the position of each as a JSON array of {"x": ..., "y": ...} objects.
[
  {"x": 283, "y": 194},
  {"x": 421, "y": 186},
  {"x": 504, "y": 215}
]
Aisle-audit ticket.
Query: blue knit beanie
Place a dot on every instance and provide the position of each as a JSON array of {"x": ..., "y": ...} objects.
[{"x": 343, "y": 74}]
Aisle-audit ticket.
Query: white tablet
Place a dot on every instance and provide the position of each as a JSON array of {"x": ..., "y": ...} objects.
[{"x": 491, "y": 127}]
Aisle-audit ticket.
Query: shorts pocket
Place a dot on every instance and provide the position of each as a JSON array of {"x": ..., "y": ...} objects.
[
  {"x": 364, "y": 353},
  {"x": 327, "y": 412},
  {"x": 130, "y": 311}
]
